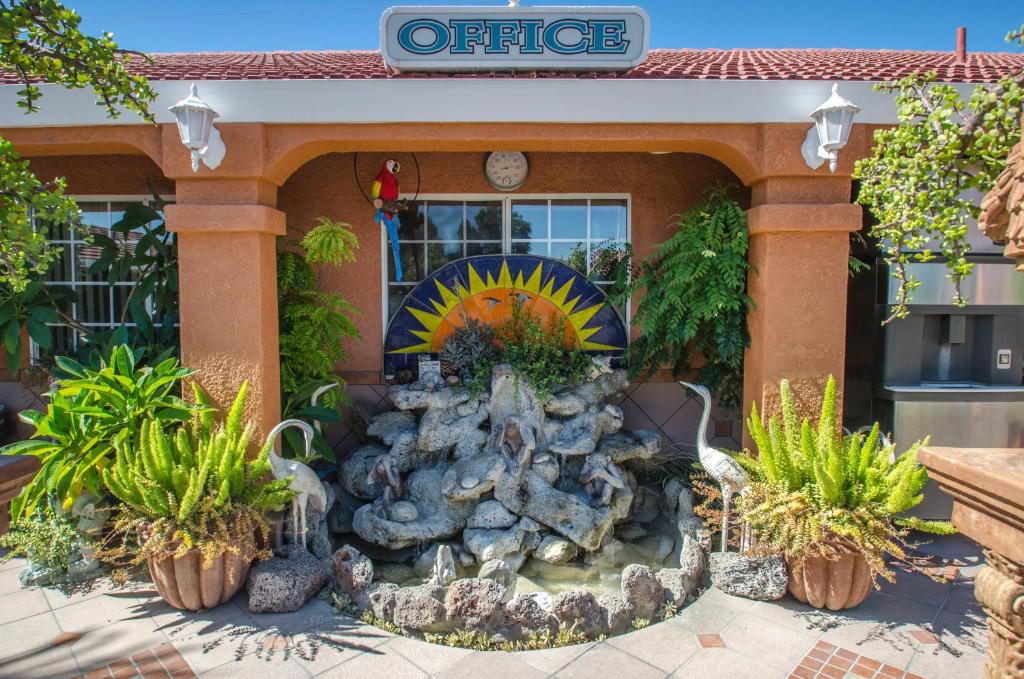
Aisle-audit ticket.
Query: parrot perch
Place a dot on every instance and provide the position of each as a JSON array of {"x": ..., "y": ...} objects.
[{"x": 385, "y": 199}]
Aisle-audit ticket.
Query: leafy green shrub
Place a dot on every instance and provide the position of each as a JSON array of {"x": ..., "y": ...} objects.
[
  {"x": 48, "y": 538},
  {"x": 313, "y": 325},
  {"x": 694, "y": 299},
  {"x": 542, "y": 355},
  {"x": 196, "y": 487},
  {"x": 815, "y": 492},
  {"x": 30, "y": 311},
  {"x": 89, "y": 414}
]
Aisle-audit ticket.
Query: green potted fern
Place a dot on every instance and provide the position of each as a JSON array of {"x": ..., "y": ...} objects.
[
  {"x": 195, "y": 505},
  {"x": 830, "y": 503}
]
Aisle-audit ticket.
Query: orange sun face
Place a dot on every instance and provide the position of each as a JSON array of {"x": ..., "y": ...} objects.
[{"x": 495, "y": 308}]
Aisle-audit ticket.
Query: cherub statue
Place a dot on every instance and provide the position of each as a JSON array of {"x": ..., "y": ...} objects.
[
  {"x": 383, "y": 472},
  {"x": 600, "y": 478},
  {"x": 516, "y": 444}
]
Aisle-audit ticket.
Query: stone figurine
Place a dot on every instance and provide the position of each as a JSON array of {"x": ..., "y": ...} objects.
[
  {"x": 516, "y": 444},
  {"x": 383, "y": 473},
  {"x": 600, "y": 478}
]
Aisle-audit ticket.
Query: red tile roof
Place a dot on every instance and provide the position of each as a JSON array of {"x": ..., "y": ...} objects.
[{"x": 706, "y": 64}]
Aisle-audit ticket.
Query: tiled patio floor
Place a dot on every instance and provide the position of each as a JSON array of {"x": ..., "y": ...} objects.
[{"x": 916, "y": 628}]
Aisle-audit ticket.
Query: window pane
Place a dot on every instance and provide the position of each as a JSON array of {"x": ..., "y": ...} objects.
[
  {"x": 439, "y": 254},
  {"x": 604, "y": 255},
  {"x": 530, "y": 219},
  {"x": 60, "y": 270},
  {"x": 85, "y": 256},
  {"x": 534, "y": 247},
  {"x": 95, "y": 215},
  {"x": 93, "y": 304},
  {"x": 444, "y": 221},
  {"x": 483, "y": 221},
  {"x": 397, "y": 293},
  {"x": 573, "y": 254},
  {"x": 411, "y": 222},
  {"x": 568, "y": 219},
  {"x": 608, "y": 219},
  {"x": 121, "y": 293},
  {"x": 61, "y": 338},
  {"x": 483, "y": 249},
  {"x": 117, "y": 213},
  {"x": 412, "y": 262}
]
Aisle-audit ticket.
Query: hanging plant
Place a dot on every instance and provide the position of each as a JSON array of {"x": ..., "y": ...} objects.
[{"x": 694, "y": 299}]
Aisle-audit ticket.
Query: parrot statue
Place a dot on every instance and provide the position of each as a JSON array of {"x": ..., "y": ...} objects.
[{"x": 385, "y": 198}]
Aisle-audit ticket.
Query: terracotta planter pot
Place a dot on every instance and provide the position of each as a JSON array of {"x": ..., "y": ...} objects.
[
  {"x": 185, "y": 584},
  {"x": 843, "y": 582}
]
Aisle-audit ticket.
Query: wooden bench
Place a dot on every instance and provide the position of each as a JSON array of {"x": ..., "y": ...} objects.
[{"x": 15, "y": 472}]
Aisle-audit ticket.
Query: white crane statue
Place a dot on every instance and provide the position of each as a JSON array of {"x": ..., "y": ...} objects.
[
  {"x": 305, "y": 482},
  {"x": 720, "y": 466},
  {"x": 320, "y": 391}
]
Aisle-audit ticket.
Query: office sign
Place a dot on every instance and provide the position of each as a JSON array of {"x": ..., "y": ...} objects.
[{"x": 514, "y": 38}]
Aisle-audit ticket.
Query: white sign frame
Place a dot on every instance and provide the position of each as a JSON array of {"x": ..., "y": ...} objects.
[{"x": 541, "y": 30}]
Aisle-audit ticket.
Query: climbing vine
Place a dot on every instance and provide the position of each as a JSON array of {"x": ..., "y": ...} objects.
[
  {"x": 921, "y": 180},
  {"x": 694, "y": 298}
]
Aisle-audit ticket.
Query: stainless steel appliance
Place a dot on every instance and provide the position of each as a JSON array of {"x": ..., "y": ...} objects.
[{"x": 955, "y": 373}]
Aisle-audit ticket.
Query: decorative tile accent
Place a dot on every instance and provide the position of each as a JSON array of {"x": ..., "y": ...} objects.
[
  {"x": 65, "y": 638},
  {"x": 159, "y": 662},
  {"x": 924, "y": 636},
  {"x": 711, "y": 641},
  {"x": 827, "y": 661}
]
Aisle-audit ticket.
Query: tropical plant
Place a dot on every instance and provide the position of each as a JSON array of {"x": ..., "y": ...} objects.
[
  {"x": 923, "y": 176},
  {"x": 196, "y": 487},
  {"x": 815, "y": 492},
  {"x": 90, "y": 413},
  {"x": 313, "y": 325},
  {"x": 300, "y": 406},
  {"x": 694, "y": 301},
  {"x": 29, "y": 312},
  {"x": 40, "y": 40}
]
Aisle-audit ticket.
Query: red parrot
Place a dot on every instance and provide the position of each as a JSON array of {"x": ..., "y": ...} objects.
[{"x": 385, "y": 185}]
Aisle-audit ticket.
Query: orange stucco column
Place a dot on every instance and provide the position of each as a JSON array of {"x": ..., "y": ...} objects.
[
  {"x": 799, "y": 257},
  {"x": 228, "y": 296}
]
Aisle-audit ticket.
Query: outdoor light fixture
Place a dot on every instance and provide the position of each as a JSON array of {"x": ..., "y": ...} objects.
[
  {"x": 832, "y": 123},
  {"x": 195, "y": 125}
]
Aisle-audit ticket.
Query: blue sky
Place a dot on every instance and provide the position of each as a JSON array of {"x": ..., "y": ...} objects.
[{"x": 195, "y": 25}]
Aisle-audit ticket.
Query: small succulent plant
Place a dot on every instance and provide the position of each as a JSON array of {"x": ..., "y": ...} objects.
[{"x": 467, "y": 348}]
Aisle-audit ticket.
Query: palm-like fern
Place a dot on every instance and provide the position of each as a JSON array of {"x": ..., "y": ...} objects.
[
  {"x": 196, "y": 486},
  {"x": 815, "y": 490}
]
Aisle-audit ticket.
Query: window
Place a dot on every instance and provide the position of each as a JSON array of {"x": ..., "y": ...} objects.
[
  {"x": 97, "y": 305},
  {"x": 440, "y": 229}
]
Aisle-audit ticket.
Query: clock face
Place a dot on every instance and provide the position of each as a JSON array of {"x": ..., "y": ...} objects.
[{"x": 507, "y": 170}]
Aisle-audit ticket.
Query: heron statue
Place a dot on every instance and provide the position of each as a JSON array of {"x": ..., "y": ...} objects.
[
  {"x": 305, "y": 483},
  {"x": 726, "y": 471}
]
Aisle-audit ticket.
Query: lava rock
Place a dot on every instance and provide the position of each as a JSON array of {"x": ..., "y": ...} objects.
[
  {"x": 579, "y": 607},
  {"x": 339, "y": 518},
  {"x": 554, "y": 549},
  {"x": 527, "y": 613},
  {"x": 421, "y": 609},
  {"x": 474, "y": 603},
  {"x": 618, "y": 614},
  {"x": 279, "y": 585},
  {"x": 646, "y": 505},
  {"x": 381, "y": 600},
  {"x": 642, "y": 591},
  {"x": 353, "y": 574},
  {"x": 762, "y": 578},
  {"x": 492, "y": 514}
]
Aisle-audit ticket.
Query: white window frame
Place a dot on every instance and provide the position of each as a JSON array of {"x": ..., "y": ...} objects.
[
  {"x": 506, "y": 230},
  {"x": 74, "y": 284}
]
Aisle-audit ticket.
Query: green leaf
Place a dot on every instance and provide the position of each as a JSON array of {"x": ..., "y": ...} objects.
[{"x": 39, "y": 332}]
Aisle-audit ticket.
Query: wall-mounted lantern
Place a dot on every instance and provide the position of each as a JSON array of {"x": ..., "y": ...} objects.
[
  {"x": 832, "y": 123},
  {"x": 195, "y": 125}
]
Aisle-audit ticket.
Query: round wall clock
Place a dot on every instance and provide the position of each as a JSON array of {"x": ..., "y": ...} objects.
[{"x": 507, "y": 170}]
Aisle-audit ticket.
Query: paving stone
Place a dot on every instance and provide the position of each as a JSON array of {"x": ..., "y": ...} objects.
[
  {"x": 709, "y": 614},
  {"x": 491, "y": 665},
  {"x": 550, "y": 660},
  {"x": 607, "y": 661},
  {"x": 26, "y": 650},
  {"x": 662, "y": 645},
  {"x": 379, "y": 663},
  {"x": 103, "y": 642},
  {"x": 59, "y": 598},
  {"x": 23, "y": 603},
  {"x": 431, "y": 658},
  {"x": 773, "y": 646},
  {"x": 725, "y": 663}
]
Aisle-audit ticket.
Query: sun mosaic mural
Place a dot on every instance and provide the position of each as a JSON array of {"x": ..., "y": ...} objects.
[{"x": 487, "y": 288}]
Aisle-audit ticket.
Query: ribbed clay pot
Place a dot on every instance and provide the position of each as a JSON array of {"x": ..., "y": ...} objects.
[
  {"x": 842, "y": 582},
  {"x": 185, "y": 584}
]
